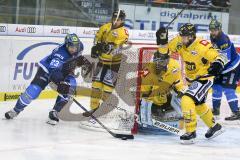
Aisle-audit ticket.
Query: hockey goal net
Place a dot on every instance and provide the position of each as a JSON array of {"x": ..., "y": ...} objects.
[{"x": 117, "y": 112}]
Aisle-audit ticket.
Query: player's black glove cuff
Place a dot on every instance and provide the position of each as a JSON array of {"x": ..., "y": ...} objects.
[
  {"x": 215, "y": 68},
  {"x": 162, "y": 36},
  {"x": 64, "y": 88}
]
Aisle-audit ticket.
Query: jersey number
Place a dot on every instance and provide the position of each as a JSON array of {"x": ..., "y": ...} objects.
[
  {"x": 190, "y": 66},
  {"x": 54, "y": 63}
]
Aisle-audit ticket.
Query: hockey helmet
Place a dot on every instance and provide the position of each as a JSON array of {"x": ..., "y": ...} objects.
[
  {"x": 187, "y": 29},
  {"x": 215, "y": 25},
  {"x": 72, "y": 40},
  {"x": 119, "y": 14}
]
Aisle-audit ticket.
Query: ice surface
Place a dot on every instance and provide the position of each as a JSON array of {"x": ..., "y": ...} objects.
[{"x": 28, "y": 137}]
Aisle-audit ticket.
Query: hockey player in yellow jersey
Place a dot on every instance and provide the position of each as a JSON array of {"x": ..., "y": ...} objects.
[
  {"x": 161, "y": 83},
  {"x": 107, "y": 47},
  {"x": 200, "y": 60}
]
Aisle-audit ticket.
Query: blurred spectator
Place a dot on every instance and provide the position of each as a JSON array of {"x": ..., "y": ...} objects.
[
  {"x": 159, "y": 1},
  {"x": 202, "y": 2},
  {"x": 214, "y": 3},
  {"x": 222, "y": 3}
]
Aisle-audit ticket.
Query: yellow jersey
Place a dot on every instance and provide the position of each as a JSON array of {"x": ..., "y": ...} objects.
[
  {"x": 117, "y": 37},
  {"x": 197, "y": 57},
  {"x": 155, "y": 87}
]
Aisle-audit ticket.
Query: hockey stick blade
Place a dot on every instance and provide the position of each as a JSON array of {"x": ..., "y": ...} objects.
[
  {"x": 126, "y": 136},
  {"x": 167, "y": 127},
  {"x": 116, "y": 135}
]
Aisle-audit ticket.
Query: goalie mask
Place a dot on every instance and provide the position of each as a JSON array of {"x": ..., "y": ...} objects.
[{"x": 161, "y": 60}]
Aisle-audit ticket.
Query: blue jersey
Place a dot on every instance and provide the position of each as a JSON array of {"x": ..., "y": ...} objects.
[
  {"x": 58, "y": 56},
  {"x": 227, "y": 47}
]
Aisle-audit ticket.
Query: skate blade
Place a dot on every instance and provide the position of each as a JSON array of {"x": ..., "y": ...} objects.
[
  {"x": 188, "y": 142},
  {"x": 217, "y": 134},
  {"x": 51, "y": 122}
]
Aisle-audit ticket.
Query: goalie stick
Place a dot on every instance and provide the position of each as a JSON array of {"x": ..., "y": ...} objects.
[
  {"x": 167, "y": 127},
  {"x": 116, "y": 135}
]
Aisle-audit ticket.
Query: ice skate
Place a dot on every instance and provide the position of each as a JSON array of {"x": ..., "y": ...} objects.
[
  {"x": 214, "y": 131},
  {"x": 188, "y": 138},
  {"x": 53, "y": 117},
  {"x": 11, "y": 114},
  {"x": 233, "y": 117}
]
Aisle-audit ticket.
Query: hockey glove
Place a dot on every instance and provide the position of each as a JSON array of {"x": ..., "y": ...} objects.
[
  {"x": 162, "y": 36},
  {"x": 215, "y": 68},
  {"x": 64, "y": 88},
  {"x": 96, "y": 50},
  {"x": 107, "y": 47}
]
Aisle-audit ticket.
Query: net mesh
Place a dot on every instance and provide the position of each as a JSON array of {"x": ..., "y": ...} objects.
[{"x": 117, "y": 112}]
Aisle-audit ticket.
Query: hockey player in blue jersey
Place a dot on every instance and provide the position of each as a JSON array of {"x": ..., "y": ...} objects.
[
  {"x": 58, "y": 68},
  {"x": 226, "y": 82}
]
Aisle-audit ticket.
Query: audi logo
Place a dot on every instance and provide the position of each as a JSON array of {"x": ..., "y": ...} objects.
[
  {"x": 2, "y": 28},
  {"x": 64, "y": 31},
  {"x": 31, "y": 30}
]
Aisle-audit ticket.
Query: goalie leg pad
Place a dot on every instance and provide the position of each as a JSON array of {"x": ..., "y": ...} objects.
[
  {"x": 145, "y": 112},
  {"x": 176, "y": 103}
]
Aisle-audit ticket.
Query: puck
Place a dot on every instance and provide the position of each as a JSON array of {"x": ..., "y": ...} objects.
[{"x": 124, "y": 138}]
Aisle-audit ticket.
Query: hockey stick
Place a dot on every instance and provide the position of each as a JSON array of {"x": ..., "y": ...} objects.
[
  {"x": 122, "y": 136},
  {"x": 178, "y": 14},
  {"x": 167, "y": 127},
  {"x": 116, "y": 135}
]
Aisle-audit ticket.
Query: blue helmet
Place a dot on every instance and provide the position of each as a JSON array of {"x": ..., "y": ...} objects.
[
  {"x": 73, "y": 40},
  {"x": 214, "y": 24}
]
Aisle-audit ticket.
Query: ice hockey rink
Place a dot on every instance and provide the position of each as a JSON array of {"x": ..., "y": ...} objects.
[{"x": 28, "y": 137}]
